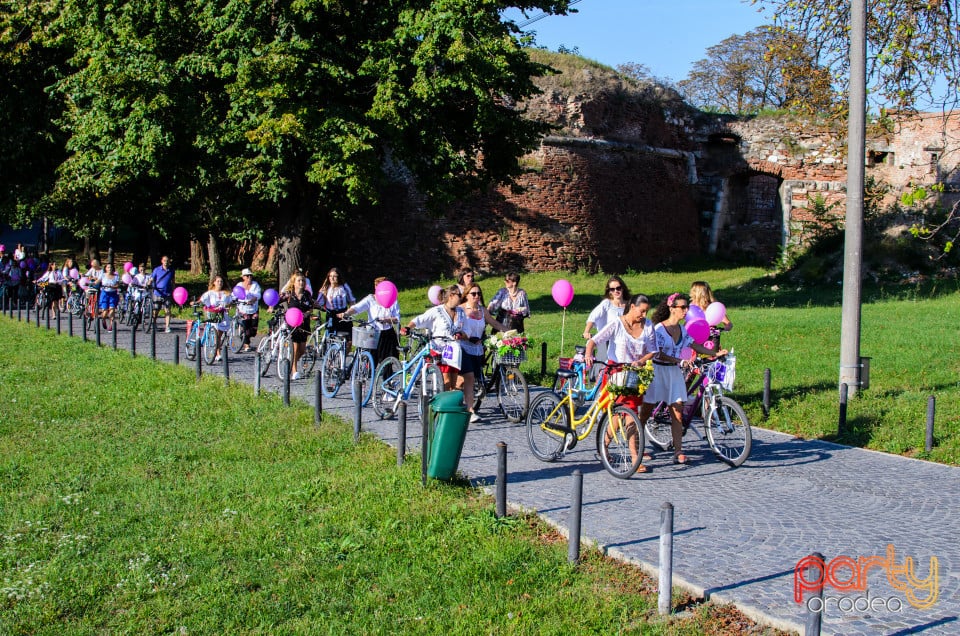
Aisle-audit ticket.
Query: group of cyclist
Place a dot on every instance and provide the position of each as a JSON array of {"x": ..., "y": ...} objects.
[{"x": 631, "y": 338}]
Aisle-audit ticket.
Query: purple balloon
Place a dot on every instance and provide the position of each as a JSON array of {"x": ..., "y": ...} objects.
[
  {"x": 699, "y": 330},
  {"x": 271, "y": 297},
  {"x": 239, "y": 292},
  {"x": 694, "y": 313}
]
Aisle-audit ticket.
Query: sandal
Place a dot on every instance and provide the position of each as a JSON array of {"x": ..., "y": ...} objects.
[
  {"x": 680, "y": 458},
  {"x": 647, "y": 456},
  {"x": 642, "y": 469}
]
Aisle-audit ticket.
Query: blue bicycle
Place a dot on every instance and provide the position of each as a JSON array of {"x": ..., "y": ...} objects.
[
  {"x": 202, "y": 335},
  {"x": 579, "y": 383},
  {"x": 339, "y": 364},
  {"x": 418, "y": 377}
]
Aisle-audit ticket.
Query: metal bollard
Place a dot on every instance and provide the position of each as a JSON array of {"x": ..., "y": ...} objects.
[
  {"x": 501, "y": 486},
  {"x": 198, "y": 359},
  {"x": 133, "y": 342},
  {"x": 96, "y": 329},
  {"x": 401, "y": 433},
  {"x": 424, "y": 447},
  {"x": 19, "y": 312},
  {"x": 543, "y": 359},
  {"x": 257, "y": 365},
  {"x": 931, "y": 410},
  {"x": 58, "y": 323},
  {"x": 576, "y": 508},
  {"x": 665, "y": 585},
  {"x": 286, "y": 382},
  {"x": 153, "y": 343},
  {"x": 83, "y": 328},
  {"x": 842, "y": 424},
  {"x": 317, "y": 399},
  {"x": 812, "y": 624},
  {"x": 357, "y": 418},
  {"x": 113, "y": 336},
  {"x": 28, "y": 313},
  {"x": 176, "y": 350},
  {"x": 69, "y": 323},
  {"x": 37, "y": 317},
  {"x": 766, "y": 392},
  {"x": 48, "y": 319},
  {"x": 226, "y": 364}
]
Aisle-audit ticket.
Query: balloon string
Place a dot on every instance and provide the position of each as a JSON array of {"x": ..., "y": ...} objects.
[{"x": 563, "y": 325}]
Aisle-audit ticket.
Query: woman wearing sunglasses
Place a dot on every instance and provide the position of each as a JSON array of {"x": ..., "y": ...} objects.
[{"x": 609, "y": 310}]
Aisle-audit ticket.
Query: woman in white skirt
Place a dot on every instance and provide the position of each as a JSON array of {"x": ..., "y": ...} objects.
[{"x": 668, "y": 383}]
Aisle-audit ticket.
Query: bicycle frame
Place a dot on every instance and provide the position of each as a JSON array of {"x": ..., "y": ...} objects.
[{"x": 583, "y": 393}]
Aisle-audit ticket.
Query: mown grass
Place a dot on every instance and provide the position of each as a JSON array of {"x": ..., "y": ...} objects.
[{"x": 136, "y": 500}]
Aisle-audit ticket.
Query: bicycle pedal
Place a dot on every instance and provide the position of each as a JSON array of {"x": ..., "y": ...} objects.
[{"x": 569, "y": 442}]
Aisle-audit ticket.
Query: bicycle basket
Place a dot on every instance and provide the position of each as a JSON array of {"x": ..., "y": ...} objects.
[
  {"x": 626, "y": 382},
  {"x": 366, "y": 337},
  {"x": 724, "y": 373},
  {"x": 510, "y": 359}
]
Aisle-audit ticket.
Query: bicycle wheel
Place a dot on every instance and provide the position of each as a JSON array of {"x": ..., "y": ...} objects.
[
  {"x": 285, "y": 358},
  {"x": 548, "y": 424},
  {"x": 235, "y": 334},
  {"x": 209, "y": 341},
  {"x": 386, "y": 386},
  {"x": 147, "y": 317},
  {"x": 614, "y": 436},
  {"x": 361, "y": 377},
  {"x": 267, "y": 351},
  {"x": 311, "y": 352},
  {"x": 728, "y": 431},
  {"x": 513, "y": 393},
  {"x": 431, "y": 384},
  {"x": 658, "y": 427},
  {"x": 190, "y": 345},
  {"x": 331, "y": 370}
]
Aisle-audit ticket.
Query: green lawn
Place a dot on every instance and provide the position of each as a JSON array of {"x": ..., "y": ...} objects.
[{"x": 136, "y": 500}]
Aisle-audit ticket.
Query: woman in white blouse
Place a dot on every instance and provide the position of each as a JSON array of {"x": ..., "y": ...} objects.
[
  {"x": 668, "y": 383},
  {"x": 610, "y": 308},
  {"x": 383, "y": 318},
  {"x": 510, "y": 304},
  {"x": 446, "y": 323},
  {"x": 337, "y": 296}
]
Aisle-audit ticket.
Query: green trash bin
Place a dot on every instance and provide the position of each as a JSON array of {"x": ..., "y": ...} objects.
[{"x": 449, "y": 420}]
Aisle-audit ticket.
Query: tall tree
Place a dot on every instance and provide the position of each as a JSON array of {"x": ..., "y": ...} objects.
[
  {"x": 913, "y": 46},
  {"x": 764, "y": 68}
]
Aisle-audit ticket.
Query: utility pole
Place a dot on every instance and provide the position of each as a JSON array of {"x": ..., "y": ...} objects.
[{"x": 853, "y": 233}]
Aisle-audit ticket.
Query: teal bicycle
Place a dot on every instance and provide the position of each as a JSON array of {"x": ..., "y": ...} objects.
[
  {"x": 202, "y": 335},
  {"x": 416, "y": 378}
]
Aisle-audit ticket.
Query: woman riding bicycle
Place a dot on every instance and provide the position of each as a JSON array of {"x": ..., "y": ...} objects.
[
  {"x": 668, "y": 384},
  {"x": 476, "y": 319},
  {"x": 215, "y": 301},
  {"x": 54, "y": 292},
  {"x": 298, "y": 297}
]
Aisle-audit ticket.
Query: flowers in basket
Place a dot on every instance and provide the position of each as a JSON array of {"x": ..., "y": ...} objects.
[
  {"x": 631, "y": 379},
  {"x": 508, "y": 343}
]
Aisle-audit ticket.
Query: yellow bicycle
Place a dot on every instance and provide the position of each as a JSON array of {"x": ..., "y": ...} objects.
[{"x": 553, "y": 429}]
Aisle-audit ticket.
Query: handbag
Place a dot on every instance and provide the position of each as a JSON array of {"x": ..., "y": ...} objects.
[{"x": 452, "y": 355}]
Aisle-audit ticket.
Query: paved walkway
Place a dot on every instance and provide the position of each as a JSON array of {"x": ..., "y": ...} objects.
[{"x": 739, "y": 533}]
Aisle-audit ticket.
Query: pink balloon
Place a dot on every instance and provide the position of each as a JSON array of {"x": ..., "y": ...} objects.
[
  {"x": 687, "y": 353},
  {"x": 433, "y": 294},
  {"x": 127, "y": 279},
  {"x": 127, "y": 267},
  {"x": 715, "y": 313},
  {"x": 83, "y": 282},
  {"x": 74, "y": 273},
  {"x": 294, "y": 317},
  {"x": 699, "y": 330},
  {"x": 694, "y": 313},
  {"x": 386, "y": 293},
  {"x": 709, "y": 345},
  {"x": 562, "y": 292},
  {"x": 180, "y": 295}
]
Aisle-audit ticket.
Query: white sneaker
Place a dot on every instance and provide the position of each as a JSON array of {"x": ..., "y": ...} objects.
[
  {"x": 217, "y": 359},
  {"x": 295, "y": 376},
  {"x": 167, "y": 330},
  {"x": 474, "y": 418}
]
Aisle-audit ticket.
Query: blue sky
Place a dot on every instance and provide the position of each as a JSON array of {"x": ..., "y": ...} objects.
[{"x": 666, "y": 36}]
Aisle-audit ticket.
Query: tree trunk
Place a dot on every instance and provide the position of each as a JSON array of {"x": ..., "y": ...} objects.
[
  {"x": 289, "y": 254},
  {"x": 215, "y": 252},
  {"x": 295, "y": 215},
  {"x": 198, "y": 257},
  {"x": 90, "y": 249},
  {"x": 259, "y": 255}
]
